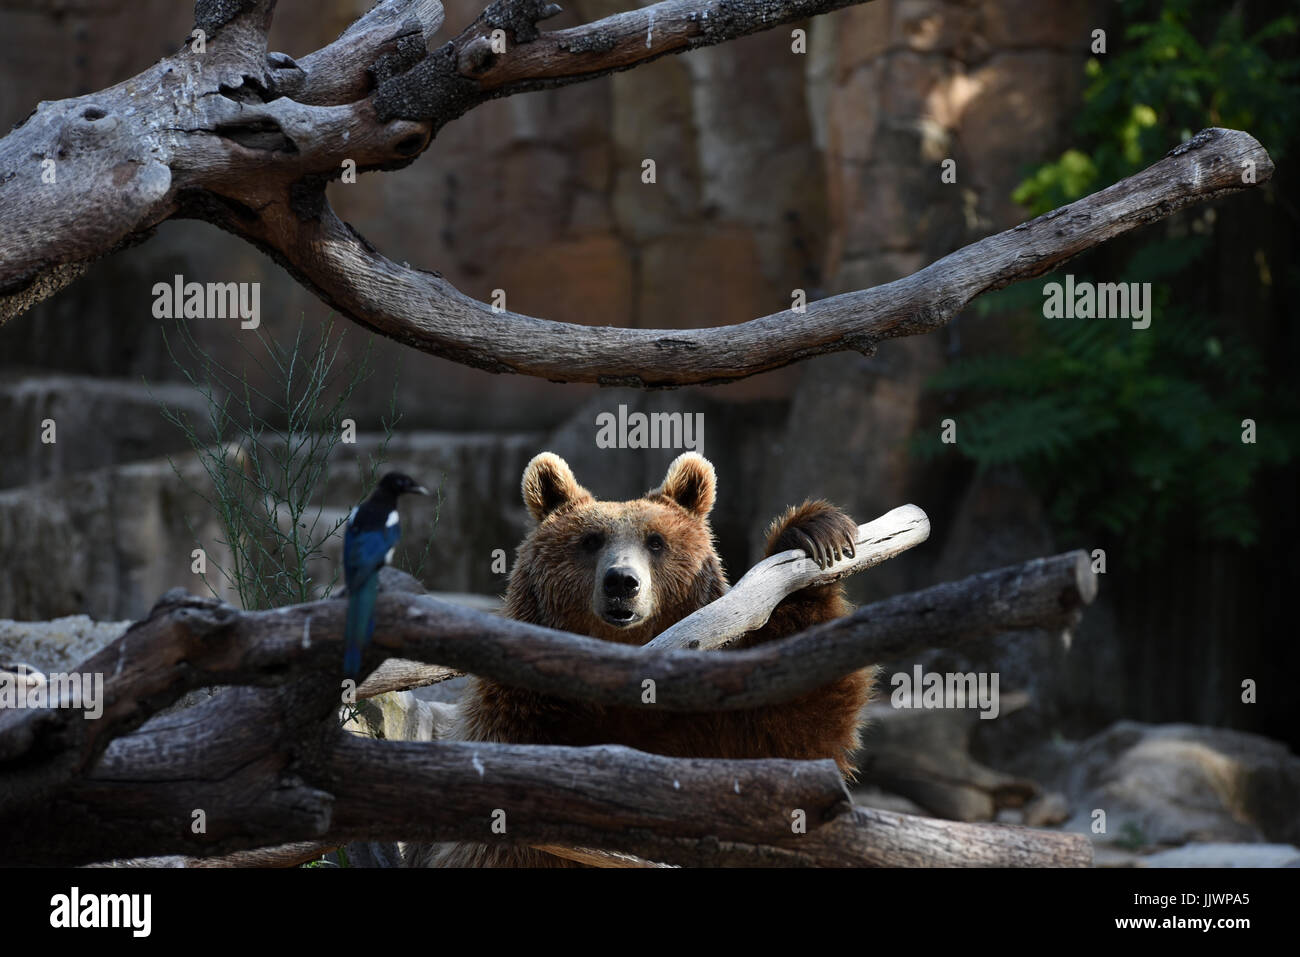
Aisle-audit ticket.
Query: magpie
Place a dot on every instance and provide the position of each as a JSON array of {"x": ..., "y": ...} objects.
[{"x": 368, "y": 543}]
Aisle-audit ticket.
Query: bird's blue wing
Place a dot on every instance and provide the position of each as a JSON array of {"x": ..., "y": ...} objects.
[{"x": 364, "y": 553}]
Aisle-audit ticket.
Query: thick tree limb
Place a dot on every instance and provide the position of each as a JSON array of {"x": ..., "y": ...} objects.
[
  {"x": 229, "y": 130},
  {"x": 283, "y": 855},
  {"x": 248, "y": 140},
  {"x": 390, "y": 33},
  {"x": 424, "y": 311},
  {"x": 189, "y": 643},
  {"x": 82, "y": 177},
  {"x": 749, "y": 603},
  {"x": 592, "y": 857},
  {"x": 231, "y": 760}
]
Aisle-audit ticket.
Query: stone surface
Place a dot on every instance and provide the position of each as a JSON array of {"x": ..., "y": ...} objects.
[
  {"x": 1047, "y": 810},
  {"x": 115, "y": 539},
  {"x": 1226, "y": 855},
  {"x": 1171, "y": 784},
  {"x": 111, "y": 541},
  {"x": 95, "y": 422},
  {"x": 869, "y": 796},
  {"x": 58, "y": 645},
  {"x": 924, "y": 756}
]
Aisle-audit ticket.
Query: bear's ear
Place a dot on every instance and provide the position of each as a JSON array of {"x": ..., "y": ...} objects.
[
  {"x": 691, "y": 483},
  {"x": 548, "y": 484}
]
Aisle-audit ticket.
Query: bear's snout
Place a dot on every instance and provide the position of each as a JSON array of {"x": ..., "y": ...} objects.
[
  {"x": 621, "y": 583},
  {"x": 623, "y": 589}
]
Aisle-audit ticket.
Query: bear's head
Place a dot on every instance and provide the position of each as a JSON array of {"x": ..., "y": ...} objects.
[{"x": 621, "y": 571}]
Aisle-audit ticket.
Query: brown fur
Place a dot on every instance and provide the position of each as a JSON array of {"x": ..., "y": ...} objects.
[{"x": 553, "y": 582}]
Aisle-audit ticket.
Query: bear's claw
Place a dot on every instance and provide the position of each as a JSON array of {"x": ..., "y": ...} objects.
[{"x": 823, "y": 532}]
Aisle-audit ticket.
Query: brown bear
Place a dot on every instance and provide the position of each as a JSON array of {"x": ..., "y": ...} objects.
[{"x": 624, "y": 572}]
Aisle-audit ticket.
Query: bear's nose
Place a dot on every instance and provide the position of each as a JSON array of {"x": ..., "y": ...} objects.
[{"x": 621, "y": 583}]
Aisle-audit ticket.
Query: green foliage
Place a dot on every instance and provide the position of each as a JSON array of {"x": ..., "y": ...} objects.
[
  {"x": 266, "y": 451},
  {"x": 1182, "y": 65},
  {"x": 1117, "y": 427},
  {"x": 335, "y": 858},
  {"x": 1131, "y": 837}
]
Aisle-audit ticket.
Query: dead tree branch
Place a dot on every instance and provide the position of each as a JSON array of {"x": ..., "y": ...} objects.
[
  {"x": 749, "y": 603},
  {"x": 189, "y": 643},
  {"x": 230, "y": 759},
  {"x": 470, "y": 70},
  {"x": 248, "y": 140}
]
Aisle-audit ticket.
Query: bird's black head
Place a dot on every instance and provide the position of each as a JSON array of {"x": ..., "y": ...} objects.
[{"x": 395, "y": 484}]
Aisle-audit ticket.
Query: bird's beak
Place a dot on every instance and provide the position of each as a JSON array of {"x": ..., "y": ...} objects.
[{"x": 420, "y": 490}]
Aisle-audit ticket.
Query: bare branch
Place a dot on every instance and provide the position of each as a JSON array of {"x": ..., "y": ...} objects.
[
  {"x": 424, "y": 311},
  {"x": 749, "y": 603},
  {"x": 230, "y": 759},
  {"x": 248, "y": 140},
  {"x": 227, "y": 131},
  {"x": 470, "y": 69},
  {"x": 190, "y": 643},
  {"x": 592, "y": 857}
]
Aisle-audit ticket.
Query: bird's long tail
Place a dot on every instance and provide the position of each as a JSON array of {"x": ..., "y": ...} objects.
[{"x": 360, "y": 625}]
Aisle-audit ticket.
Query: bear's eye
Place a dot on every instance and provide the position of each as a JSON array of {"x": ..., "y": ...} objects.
[
  {"x": 592, "y": 541},
  {"x": 655, "y": 542}
]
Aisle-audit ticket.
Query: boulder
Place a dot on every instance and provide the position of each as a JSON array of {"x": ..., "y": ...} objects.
[
  {"x": 1225, "y": 855},
  {"x": 924, "y": 756},
  {"x": 1176, "y": 783}
]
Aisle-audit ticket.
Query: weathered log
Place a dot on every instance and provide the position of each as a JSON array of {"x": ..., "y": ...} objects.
[
  {"x": 223, "y": 127},
  {"x": 189, "y": 643},
  {"x": 230, "y": 761},
  {"x": 397, "y": 674},
  {"x": 248, "y": 140}
]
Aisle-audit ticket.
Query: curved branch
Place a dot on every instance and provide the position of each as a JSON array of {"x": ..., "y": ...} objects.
[
  {"x": 749, "y": 603},
  {"x": 248, "y": 140},
  {"x": 233, "y": 127},
  {"x": 424, "y": 311}
]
